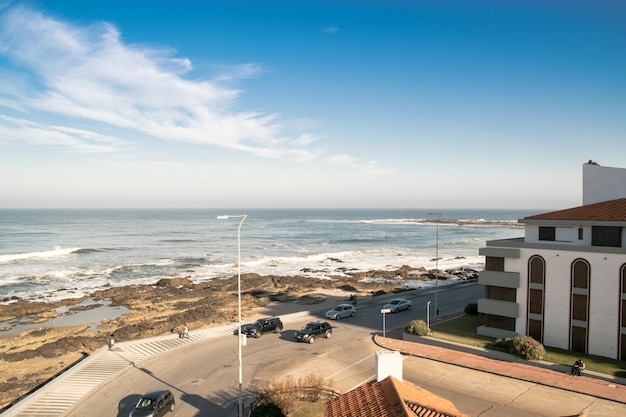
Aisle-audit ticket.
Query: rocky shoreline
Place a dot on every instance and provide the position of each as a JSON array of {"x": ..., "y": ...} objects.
[{"x": 34, "y": 355}]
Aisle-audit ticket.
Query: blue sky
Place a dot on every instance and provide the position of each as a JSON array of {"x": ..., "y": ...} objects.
[{"x": 408, "y": 104}]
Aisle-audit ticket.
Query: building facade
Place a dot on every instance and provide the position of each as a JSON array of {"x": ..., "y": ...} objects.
[
  {"x": 602, "y": 183},
  {"x": 563, "y": 283}
]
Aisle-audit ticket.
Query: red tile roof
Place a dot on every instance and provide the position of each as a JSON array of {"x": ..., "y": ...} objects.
[
  {"x": 612, "y": 210},
  {"x": 390, "y": 398}
]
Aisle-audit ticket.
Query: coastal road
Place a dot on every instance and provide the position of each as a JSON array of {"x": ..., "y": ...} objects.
[{"x": 203, "y": 376}]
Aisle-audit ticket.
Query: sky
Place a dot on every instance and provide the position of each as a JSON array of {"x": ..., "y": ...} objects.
[{"x": 308, "y": 104}]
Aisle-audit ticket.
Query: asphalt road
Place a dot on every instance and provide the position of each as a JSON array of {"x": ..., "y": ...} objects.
[{"x": 204, "y": 376}]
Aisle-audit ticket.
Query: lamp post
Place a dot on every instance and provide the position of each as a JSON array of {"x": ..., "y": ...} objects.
[
  {"x": 383, "y": 312},
  {"x": 239, "y": 332},
  {"x": 436, "y": 262}
]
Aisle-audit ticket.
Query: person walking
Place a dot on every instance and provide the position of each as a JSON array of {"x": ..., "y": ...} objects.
[
  {"x": 111, "y": 341},
  {"x": 185, "y": 333}
]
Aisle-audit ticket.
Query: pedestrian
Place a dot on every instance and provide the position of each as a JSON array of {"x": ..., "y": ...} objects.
[
  {"x": 354, "y": 300},
  {"x": 185, "y": 333},
  {"x": 111, "y": 341},
  {"x": 578, "y": 367}
]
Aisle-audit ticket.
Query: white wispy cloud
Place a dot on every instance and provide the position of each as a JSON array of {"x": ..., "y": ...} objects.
[
  {"x": 50, "y": 135},
  {"x": 238, "y": 72},
  {"x": 87, "y": 73},
  {"x": 370, "y": 168}
]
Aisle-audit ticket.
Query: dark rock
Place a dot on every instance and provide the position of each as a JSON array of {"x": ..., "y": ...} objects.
[{"x": 335, "y": 260}]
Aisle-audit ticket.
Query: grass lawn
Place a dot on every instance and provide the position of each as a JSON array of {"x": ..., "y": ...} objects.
[
  {"x": 463, "y": 330},
  {"x": 308, "y": 409}
]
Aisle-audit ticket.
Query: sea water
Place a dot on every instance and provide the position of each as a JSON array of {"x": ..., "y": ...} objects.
[{"x": 54, "y": 254}]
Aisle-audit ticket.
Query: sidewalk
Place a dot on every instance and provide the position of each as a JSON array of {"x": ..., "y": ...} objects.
[{"x": 499, "y": 363}]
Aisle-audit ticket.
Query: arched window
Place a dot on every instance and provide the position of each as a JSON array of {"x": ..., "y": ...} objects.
[
  {"x": 579, "y": 305},
  {"x": 536, "y": 288}
]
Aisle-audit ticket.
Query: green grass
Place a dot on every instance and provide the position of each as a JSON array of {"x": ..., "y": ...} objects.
[
  {"x": 463, "y": 330},
  {"x": 309, "y": 409}
]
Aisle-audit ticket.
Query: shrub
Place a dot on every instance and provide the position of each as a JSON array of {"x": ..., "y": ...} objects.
[
  {"x": 418, "y": 327},
  {"x": 523, "y": 346},
  {"x": 528, "y": 348},
  {"x": 267, "y": 410},
  {"x": 471, "y": 309}
]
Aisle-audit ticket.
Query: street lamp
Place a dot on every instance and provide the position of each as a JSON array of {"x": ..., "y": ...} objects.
[
  {"x": 239, "y": 332},
  {"x": 383, "y": 312},
  {"x": 436, "y": 262}
]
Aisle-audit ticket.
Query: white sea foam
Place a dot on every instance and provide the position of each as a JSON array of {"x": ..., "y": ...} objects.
[
  {"x": 328, "y": 265},
  {"x": 35, "y": 255}
]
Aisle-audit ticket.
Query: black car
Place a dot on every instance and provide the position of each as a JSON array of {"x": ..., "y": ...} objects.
[
  {"x": 262, "y": 325},
  {"x": 314, "y": 329},
  {"x": 155, "y": 403}
]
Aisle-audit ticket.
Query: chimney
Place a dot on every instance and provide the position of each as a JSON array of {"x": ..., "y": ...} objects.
[{"x": 388, "y": 363}]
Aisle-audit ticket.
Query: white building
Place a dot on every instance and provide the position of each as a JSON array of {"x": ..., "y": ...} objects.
[
  {"x": 564, "y": 282},
  {"x": 602, "y": 183}
]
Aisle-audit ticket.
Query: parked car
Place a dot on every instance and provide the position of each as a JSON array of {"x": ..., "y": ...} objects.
[
  {"x": 314, "y": 329},
  {"x": 262, "y": 325},
  {"x": 341, "y": 311},
  {"x": 155, "y": 403},
  {"x": 398, "y": 304}
]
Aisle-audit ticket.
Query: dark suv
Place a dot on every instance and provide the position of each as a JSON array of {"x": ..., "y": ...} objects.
[
  {"x": 314, "y": 329},
  {"x": 154, "y": 403},
  {"x": 263, "y": 325}
]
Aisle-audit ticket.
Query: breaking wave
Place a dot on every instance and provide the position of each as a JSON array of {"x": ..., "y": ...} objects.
[{"x": 39, "y": 255}]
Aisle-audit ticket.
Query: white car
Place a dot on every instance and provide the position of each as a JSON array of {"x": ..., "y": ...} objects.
[
  {"x": 341, "y": 311},
  {"x": 398, "y": 304}
]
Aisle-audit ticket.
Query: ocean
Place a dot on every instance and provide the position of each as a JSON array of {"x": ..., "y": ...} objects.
[{"x": 53, "y": 254}]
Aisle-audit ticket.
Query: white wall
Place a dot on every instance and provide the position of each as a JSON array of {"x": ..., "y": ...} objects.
[
  {"x": 563, "y": 235},
  {"x": 604, "y": 298},
  {"x": 603, "y": 183},
  {"x": 520, "y": 265}
]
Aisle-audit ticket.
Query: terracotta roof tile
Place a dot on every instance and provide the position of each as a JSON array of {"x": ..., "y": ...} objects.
[
  {"x": 612, "y": 210},
  {"x": 390, "y": 398}
]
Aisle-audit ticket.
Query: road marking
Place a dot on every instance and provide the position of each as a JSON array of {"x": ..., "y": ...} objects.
[{"x": 348, "y": 367}]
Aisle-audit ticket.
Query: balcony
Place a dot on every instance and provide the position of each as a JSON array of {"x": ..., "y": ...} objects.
[{"x": 499, "y": 279}]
